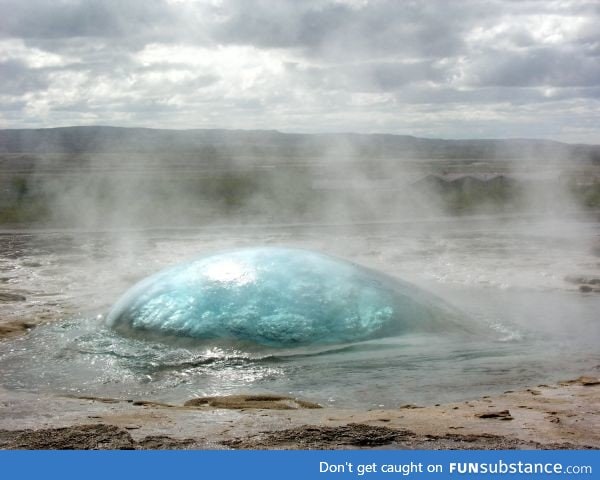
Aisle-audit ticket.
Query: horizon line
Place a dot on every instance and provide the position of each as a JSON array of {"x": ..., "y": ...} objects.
[{"x": 283, "y": 132}]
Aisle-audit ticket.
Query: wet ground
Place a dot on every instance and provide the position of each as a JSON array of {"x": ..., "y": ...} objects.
[
  {"x": 563, "y": 416},
  {"x": 532, "y": 275}
]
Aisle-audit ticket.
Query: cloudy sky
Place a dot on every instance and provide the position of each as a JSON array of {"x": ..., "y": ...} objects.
[{"x": 455, "y": 69}]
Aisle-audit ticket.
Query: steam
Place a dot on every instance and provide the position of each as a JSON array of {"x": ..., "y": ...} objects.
[
  {"x": 378, "y": 200},
  {"x": 135, "y": 179}
]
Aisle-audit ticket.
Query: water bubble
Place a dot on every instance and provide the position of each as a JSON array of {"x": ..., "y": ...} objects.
[{"x": 279, "y": 297}]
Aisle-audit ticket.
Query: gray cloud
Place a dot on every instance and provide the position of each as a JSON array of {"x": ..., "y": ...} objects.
[
  {"x": 368, "y": 77},
  {"x": 335, "y": 30},
  {"x": 539, "y": 67},
  {"x": 64, "y": 19},
  {"x": 372, "y": 65},
  {"x": 18, "y": 79}
]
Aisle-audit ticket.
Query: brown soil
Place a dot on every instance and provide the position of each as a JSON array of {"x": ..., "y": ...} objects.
[
  {"x": 583, "y": 380},
  {"x": 502, "y": 415},
  {"x": 14, "y": 328},
  {"x": 6, "y": 297},
  {"x": 314, "y": 437},
  {"x": 86, "y": 437},
  {"x": 270, "y": 402},
  {"x": 321, "y": 437},
  {"x": 356, "y": 435}
]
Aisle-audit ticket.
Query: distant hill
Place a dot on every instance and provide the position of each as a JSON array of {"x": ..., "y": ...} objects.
[
  {"x": 79, "y": 140},
  {"x": 104, "y": 177}
]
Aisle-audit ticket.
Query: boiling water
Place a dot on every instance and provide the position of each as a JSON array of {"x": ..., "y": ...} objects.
[{"x": 538, "y": 328}]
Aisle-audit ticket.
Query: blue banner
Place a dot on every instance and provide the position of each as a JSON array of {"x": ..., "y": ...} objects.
[{"x": 291, "y": 465}]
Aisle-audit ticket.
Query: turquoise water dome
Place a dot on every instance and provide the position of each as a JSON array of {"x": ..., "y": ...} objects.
[{"x": 279, "y": 297}]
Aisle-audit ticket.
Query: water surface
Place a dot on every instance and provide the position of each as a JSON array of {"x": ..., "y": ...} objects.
[{"x": 508, "y": 278}]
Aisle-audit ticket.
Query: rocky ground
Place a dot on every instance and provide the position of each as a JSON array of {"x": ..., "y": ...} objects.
[
  {"x": 563, "y": 416},
  {"x": 585, "y": 283}
]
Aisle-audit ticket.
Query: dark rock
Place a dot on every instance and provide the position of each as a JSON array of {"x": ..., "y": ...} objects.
[
  {"x": 78, "y": 437},
  {"x": 11, "y": 297},
  {"x": 163, "y": 442},
  {"x": 86, "y": 437},
  {"x": 500, "y": 415},
  {"x": 583, "y": 380},
  {"x": 11, "y": 329},
  {"x": 356, "y": 435},
  {"x": 313, "y": 436}
]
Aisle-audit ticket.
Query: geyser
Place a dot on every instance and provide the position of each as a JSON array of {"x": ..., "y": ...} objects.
[{"x": 278, "y": 297}]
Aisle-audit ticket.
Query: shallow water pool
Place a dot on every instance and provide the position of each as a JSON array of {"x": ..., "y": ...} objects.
[{"x": 539, "y": 328}]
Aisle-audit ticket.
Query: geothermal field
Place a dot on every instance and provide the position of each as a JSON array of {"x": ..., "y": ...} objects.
[{"x": 231, "y": 289}]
